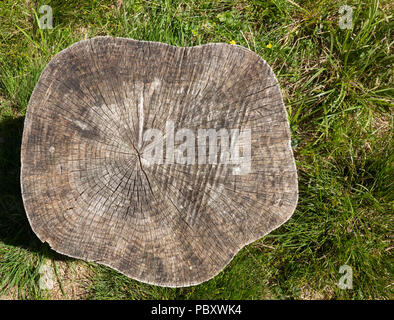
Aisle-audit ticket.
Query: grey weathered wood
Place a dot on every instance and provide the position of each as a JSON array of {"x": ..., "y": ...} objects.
[{"x": 86, "y": 191}]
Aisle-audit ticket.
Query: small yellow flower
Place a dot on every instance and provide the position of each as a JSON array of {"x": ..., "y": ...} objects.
[
  {"x": 232, "y": 42},
  {"x": 269, "y": 46},
  {"x": 194, "y": 32}
]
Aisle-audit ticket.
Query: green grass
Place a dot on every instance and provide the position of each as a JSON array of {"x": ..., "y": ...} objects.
[{"x": 338, "y": 88}]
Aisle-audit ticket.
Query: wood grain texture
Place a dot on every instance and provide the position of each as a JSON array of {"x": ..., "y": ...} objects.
[{"x": 88, "y": 194}]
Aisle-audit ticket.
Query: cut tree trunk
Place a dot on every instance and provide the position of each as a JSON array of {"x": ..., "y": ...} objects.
[{"x": 91, "y": 189}]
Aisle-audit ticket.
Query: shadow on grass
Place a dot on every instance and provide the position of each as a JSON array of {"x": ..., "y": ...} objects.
[{"x": 15, "y": 229}]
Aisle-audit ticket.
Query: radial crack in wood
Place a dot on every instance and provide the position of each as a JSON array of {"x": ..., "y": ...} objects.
[{"x": 161, "y": 162}]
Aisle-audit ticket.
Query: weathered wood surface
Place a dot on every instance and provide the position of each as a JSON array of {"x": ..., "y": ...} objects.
[{"x": 87, "y": 192}]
